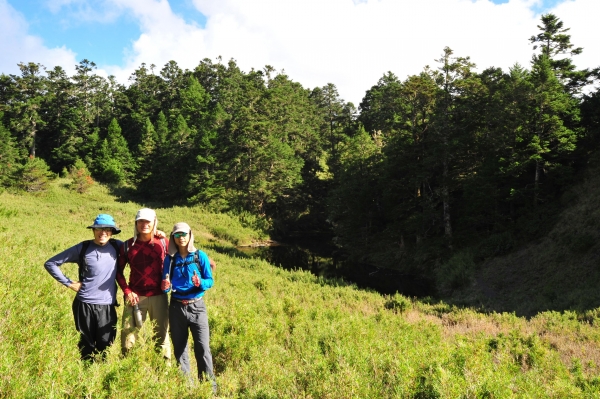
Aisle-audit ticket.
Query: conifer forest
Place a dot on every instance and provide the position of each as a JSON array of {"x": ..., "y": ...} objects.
[{"x": 425, "y": 167}]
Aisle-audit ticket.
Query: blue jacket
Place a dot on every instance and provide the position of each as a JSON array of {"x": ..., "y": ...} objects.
[{"x": 182, "y": 271}]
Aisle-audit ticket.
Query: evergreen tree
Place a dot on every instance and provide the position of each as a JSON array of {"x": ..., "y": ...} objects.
[
  {"x": 554, "y": 42},
  {"x": 548, "y": 135},
  {"x": 114, "y": 163},
  {"x": 63, "y": 142},
  {"x": 81, "y": 178},
  {"x": 355, "y": 201},
  {"x": 8, "y": 155},
  {"x": 146, "y": 152},
  {"x": 34, "y": 176},
  {"x": 26, "y": 119}
]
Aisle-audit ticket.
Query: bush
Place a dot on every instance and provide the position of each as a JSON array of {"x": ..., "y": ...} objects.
[
  {"x": 82, "y": 180},
  {"x": 398, "y": 303},
  {"x": 457, "y": 272},
  {"x": 34, "y": 176}
]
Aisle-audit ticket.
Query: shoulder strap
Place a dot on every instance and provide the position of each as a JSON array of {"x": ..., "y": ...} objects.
[
  {"x": 164, "y": 245},
  {"x": 115, "y": 245},
  {"x": 126, "y": 249},
  {"x": 171, "y": 267},
  {"x": 197, "y": 258},
  {"x": 197, "y": 261},
  {"x": 81, "y": 262}
]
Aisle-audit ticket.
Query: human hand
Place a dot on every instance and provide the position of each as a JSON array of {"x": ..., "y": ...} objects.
[
  {"x": 161, "y": 234},
  {"x": 133, "y": 298},
  {"x": 75, "y": 286},
  {"x": 165, "y": 285},
  {"x": 196, "y": 279}
]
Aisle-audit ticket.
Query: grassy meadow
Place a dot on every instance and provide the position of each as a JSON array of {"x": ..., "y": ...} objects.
[{"x": 274, "y": 333}]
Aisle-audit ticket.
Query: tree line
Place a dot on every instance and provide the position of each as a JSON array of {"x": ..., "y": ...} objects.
[{"x": 444, "y": 159}]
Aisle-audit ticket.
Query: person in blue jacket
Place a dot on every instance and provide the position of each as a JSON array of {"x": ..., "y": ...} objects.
[
  {"x": 187, "y": 275},
  {"x": 96, "y": 298}
]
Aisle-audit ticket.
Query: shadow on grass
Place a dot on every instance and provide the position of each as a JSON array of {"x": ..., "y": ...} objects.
[
  {"x": 125, "y": 194},
  {"x": 227, "y": 250}
]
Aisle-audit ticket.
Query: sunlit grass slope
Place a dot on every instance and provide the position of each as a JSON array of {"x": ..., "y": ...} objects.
[{"x": 274, "y": 333}]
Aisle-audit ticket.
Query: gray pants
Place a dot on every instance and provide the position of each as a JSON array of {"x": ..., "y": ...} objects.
[{"x": 193, "y": 317}]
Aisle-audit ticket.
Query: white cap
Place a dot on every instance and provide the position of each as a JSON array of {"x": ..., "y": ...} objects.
[{"x": 145, "y": 214}]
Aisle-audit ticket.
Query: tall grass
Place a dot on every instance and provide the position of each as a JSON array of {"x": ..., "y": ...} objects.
[{"x": 274, "y": 333}]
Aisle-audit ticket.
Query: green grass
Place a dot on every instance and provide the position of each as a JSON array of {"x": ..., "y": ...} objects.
[{"x": 274, "y": 333}]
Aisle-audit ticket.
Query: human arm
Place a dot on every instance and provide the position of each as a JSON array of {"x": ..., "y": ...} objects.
[
  {"x": 165, "y": 284},
  {"x": 206, "y": 280},
  {"x": 53, "y": 265},
  {"x": 122, "y": 261}
]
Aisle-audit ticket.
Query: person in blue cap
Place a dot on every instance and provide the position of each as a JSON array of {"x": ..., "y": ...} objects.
[{"x": 94, "y": 304}]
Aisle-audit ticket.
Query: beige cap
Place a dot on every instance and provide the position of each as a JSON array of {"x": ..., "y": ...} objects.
[{"x": 181, "y": 227}]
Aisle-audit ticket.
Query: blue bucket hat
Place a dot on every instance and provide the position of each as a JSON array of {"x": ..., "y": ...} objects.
[{"x": 105, "y": 220}]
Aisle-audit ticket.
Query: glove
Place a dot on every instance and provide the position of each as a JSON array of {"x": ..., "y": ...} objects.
[
  {"x": 165, "y": 285},
  {"x": 196, "y": 279}
]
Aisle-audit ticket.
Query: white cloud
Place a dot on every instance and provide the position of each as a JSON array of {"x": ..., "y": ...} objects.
[
  {"x": 349, "y": 43},
  {"x": 16, "y": 45},
  {"x": 581, "y": 17},
  {"x": 346, "y": 42}
]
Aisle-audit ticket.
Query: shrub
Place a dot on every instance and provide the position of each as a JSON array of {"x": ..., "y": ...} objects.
[
  {"x": 398, "y": 303},
  {"x": 81, "y": 178},
  {"x": 34, "y": 176},
  {"x": 457, "y": 272}
]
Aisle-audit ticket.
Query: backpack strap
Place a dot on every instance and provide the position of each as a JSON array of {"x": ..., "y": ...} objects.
[
  {"x": 115, "y": 245},
  {"x": 126, "y": 249},
  {"x": 197, "y": 261},
  {"x": 81, "y": 261},
  {"x": 164, "y": 245}
]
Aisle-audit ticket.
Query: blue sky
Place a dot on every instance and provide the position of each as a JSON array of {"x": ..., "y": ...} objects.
[
  {"x": 103, "y": 39},
  {"x": 350, "y": 43}
]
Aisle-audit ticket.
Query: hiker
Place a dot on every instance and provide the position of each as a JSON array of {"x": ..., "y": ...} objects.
[
  {"x": 187, "y": 274},
  {"x": 145, "y": 253},
  {"x": 94, "y": 304}
]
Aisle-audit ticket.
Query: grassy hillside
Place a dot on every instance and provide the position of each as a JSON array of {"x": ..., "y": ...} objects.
[
  {"x": 560, "y": 271},
  {"x": 274, "y": 333}
]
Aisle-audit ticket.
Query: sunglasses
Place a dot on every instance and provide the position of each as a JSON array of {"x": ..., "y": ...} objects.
[
  {"x": 104, "y": 229},
  {"x": 180, "y": 234}
]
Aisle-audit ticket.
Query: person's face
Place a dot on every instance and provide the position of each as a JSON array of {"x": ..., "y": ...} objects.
[
  {"x": 144, "y": 226},
  {"x": 181, "y": 239},
  {"x": 102, "y": 235}
]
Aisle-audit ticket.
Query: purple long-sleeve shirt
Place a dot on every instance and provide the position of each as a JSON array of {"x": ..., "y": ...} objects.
[{"x": 98, "y": 286}]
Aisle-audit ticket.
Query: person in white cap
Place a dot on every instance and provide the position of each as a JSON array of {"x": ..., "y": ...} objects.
[{"x": 145, "y": 253}]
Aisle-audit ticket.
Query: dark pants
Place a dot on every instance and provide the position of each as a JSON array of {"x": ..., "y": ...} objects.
[
  {"x": 193, "y": 317},
  {"x": 97, "y": 326}
]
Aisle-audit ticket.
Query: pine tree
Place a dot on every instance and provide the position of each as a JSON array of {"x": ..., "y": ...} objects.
[
  {"x": 8, "y": 155},
  {"x": 114, "y": 162},
  {"x": 554, "y": 42}
]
